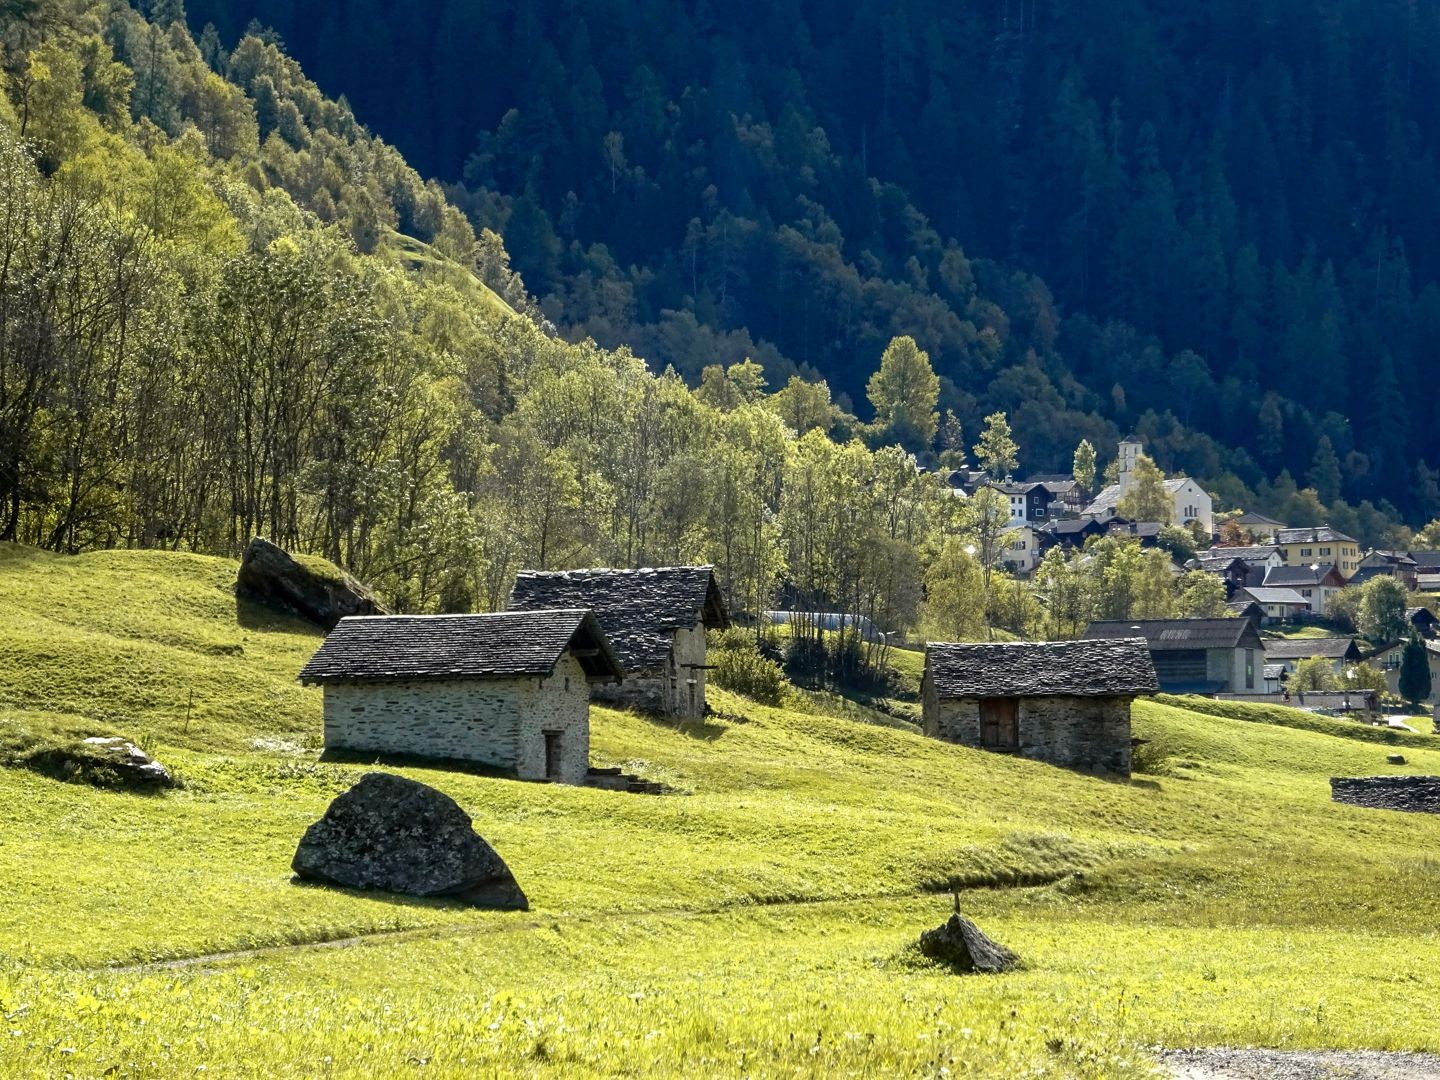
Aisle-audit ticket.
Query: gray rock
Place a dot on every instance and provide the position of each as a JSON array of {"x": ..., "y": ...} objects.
[
  {"x": 401, "y": 836},
  {"x": 270, "y": 576},
  {"x": 1395, "y": 759},
  {"x": 962, "y": 945},
  {"x": 133, "y": 765}
]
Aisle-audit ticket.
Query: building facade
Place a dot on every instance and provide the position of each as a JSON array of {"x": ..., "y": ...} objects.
[
  {"x": 1195, "y": 656},
  {"x": 507, "y": 691},
  {"x": 1321, "y": 545},
  {"x": 1063, "y": 702}
]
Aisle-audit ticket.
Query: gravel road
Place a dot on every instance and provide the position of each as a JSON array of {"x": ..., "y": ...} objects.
[{"x": 1224, "y": 1064}]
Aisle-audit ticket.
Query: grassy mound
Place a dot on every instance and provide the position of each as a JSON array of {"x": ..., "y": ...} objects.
[{"x": 749, "y": 927}]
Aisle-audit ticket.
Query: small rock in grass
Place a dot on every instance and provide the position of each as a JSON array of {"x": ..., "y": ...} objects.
[
  {"x": 962, "y": 945},
  {"x": 1395, "y": 759},
  {"x": 134, "y": 765},
  {"x": 401, "y": 836}
]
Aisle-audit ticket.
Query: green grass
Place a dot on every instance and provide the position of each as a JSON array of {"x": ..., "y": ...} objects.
[{"x": 757, "y": 925}]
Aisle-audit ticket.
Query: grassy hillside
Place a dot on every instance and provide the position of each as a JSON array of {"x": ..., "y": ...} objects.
[{"x": 757, "y": 924}]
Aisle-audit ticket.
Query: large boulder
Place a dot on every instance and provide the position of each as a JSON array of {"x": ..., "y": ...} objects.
[
  {"x": 961, "y": 944},
  {"x": 401, "y": 836},
  {"x": 313, "y": 589}
]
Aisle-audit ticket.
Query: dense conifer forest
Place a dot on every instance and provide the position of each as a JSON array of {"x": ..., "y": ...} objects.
[
  {"x": 231, "y": 309},
  {"x": 1213, "y": 223}
]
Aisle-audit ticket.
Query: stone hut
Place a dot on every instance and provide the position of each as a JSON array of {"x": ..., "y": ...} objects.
[
  {"x": 509, "y": 690},
  {"x": 655, "y": 618},
  {"x": 1065, "y": 702}
]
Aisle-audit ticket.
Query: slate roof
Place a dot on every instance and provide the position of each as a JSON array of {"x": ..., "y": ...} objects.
[
  {"x": 1365, "y": 573},
  {"x": 639, "y": 610},
  {"x": 1252, "y": 553},
  {"x": 497, "y": 645},
  {"x": 1321, "y": 534},
  {"x": 1109, "y": 496},
  {"x": 1276, "y": 596},
  {"x": 1304, "y": 648},
  {"x": 1290, "y": 576},
  {"x": 1120, "y": 668},
  {"x": 1163, "y": 635},
  {"x": 1426, "y": 558},
  {"x": 1252, "y": 518}
]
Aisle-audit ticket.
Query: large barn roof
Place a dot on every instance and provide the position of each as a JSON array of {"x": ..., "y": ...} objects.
[
  {"x": 1118, "y": 668},
  {"x": 1336, "y": 648},
  {"x": 639, "y": 609},
  {"x": 1185, "y": 634},
  {"x": 506, "y": 644}
]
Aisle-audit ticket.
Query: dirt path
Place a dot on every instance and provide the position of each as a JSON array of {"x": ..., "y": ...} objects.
[
  {"x": 1226, "y": 1064},
  {"x": 509, "y": 926}
]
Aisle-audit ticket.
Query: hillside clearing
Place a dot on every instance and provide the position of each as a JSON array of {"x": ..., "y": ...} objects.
[{"x": 749, "y": 926}]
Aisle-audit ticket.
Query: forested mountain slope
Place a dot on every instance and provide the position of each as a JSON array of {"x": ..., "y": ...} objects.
[{"x": 1222, "y": 213}]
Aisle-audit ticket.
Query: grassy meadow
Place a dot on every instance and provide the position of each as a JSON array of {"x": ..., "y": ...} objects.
[{"x": 760, "y": 923}]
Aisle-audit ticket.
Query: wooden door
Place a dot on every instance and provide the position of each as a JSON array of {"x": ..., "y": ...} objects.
[
  {"x": 1000, "y": 723},
  {"x": 552, "y": 755}
]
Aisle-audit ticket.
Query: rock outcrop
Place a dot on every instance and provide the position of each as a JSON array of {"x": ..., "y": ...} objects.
[
  {"x": 133, "y": 766},
  {"x": 401, "y": 836},
  {"x": 322, "y": 594},
  {"x": 1418, "y": 794},
  {"x": 963, "y": 946}
]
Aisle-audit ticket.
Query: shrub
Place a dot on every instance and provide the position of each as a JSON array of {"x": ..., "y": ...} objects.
[{"x": 745, "y": 671}]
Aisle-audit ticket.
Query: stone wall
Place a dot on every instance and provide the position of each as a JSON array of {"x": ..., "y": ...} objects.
[
  {"x": 496, "y": 722},
  {"x": 665, "y": 690},
  {"x": 1079, "y": 732},
  {"x": 1420, "y": 794}
]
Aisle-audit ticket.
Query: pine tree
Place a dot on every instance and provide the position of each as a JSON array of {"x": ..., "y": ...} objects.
[
  {"x": 1324, "y": 474},
  {"x": 1414, "y": 672},
  {"x": 904, "y": 393}
]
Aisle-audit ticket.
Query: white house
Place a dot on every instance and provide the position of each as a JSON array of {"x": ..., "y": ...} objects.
[{"x": 1020, "y": 548}]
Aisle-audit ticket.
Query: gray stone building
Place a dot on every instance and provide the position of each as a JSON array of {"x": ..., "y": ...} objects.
[
  {"x": 509, "y": 690},
  {"x": 1196, "y": 656},
  {"x": 1065, "y": 702},
  {"x": 656, "y": 620}
]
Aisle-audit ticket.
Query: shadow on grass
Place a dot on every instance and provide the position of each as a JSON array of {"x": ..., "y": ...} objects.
[
  {"x": 692, "y": 727},
  {"x": 255, "y": 616},
  {"x": 415, "y": 761}
]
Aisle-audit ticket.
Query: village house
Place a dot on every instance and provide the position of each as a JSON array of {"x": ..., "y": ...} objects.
[
  {"x": 509, "y": 690},
  {"x": 1395, "y": 564},
  {"x": 1260, "y": 528},
  {"x": 1427, "y": 570},
  {"x": 1290, "y": 652},
  {"x": 1195, "y": 656},
  {"x": 1232, "y": 571},
  {"x": 1423, "y": 620},
  {"x": 1278, "y": 605},
  {"x": 1320, "y": 544},
  {"x": 1067, "y": 495},
  {"x": 655, "y": 619},
  {"x": 1258, "y": 559},
  {"x": 1315, "y": 583},
  {"x": 1189, "y": 500},
  {"x": 1065, "y": 702},
  {"x": 1072, "y": 533},
  {"x": 1020, "y": 547},
  {"x": 1388, "y": 659}
]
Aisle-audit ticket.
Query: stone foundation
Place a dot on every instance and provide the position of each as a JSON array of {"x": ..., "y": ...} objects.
[{"x": 1417, "y": 794}]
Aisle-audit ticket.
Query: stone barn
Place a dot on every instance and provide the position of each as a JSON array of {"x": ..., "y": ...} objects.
[
  {"x": 1065, "y": 702},
  {"x": 509, "y": 690},
  {"x": 656, "y": 620}
]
